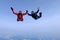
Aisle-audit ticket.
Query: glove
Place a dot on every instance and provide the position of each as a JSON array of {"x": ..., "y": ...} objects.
[
  {"x": 26, "y": 11},
  {"x": 11, "y": 8}
]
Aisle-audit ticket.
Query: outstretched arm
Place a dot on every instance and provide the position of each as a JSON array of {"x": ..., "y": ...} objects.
[
  {"x": 29, "y": 14},
  {"x": 24, "y": 13},
  {"x": 37, "y": 11},
  {"x": 13, "y": 11}
]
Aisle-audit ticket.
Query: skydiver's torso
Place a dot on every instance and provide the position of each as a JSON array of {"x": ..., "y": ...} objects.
[
  {"x": 20, "y": 17},
  {"x": 34, "y": 15}
]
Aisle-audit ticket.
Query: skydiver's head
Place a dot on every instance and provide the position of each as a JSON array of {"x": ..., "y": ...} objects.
[
  {"x": 20, "y": 12},
  {"x": 32, "y": 11}
]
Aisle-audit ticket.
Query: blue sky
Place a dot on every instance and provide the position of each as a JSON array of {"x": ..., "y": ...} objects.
[{"x": 50, "y": 21}]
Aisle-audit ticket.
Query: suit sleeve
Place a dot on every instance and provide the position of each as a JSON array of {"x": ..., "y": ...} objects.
[
  {"x": 15, "y": 13},
  {"x": 24, "y": 13},
  {"x": 29, "y": 14},
  {"x": 37, "y": 11}
]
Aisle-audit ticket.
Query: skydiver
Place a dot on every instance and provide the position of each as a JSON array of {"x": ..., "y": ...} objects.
[
  {"x": 34, "y": 14},
  {"x": 19, "y": 14}
]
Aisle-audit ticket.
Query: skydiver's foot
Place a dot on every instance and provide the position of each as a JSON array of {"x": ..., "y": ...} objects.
[{"x": 40, "y": 14}]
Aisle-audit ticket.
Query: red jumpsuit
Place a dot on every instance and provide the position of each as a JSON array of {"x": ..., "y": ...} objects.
[{"x": 19, "y": 17}]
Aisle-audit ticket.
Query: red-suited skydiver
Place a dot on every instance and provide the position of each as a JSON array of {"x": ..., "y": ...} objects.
[{"x": 19, "y": 14}]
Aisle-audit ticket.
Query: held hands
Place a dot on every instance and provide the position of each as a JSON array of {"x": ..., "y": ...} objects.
[{"x": 27, "y": 11}]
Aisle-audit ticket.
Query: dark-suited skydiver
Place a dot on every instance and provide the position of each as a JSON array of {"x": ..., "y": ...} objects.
[{"x": 34, "y": 14}]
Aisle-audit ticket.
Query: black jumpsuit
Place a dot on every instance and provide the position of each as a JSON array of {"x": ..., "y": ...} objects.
[{"x": 34, "y": 15}]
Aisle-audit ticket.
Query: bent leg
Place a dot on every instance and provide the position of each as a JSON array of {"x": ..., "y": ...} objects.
[
  {"x": 17, "y": 19},
  {"x": 40, "y": 15}
]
